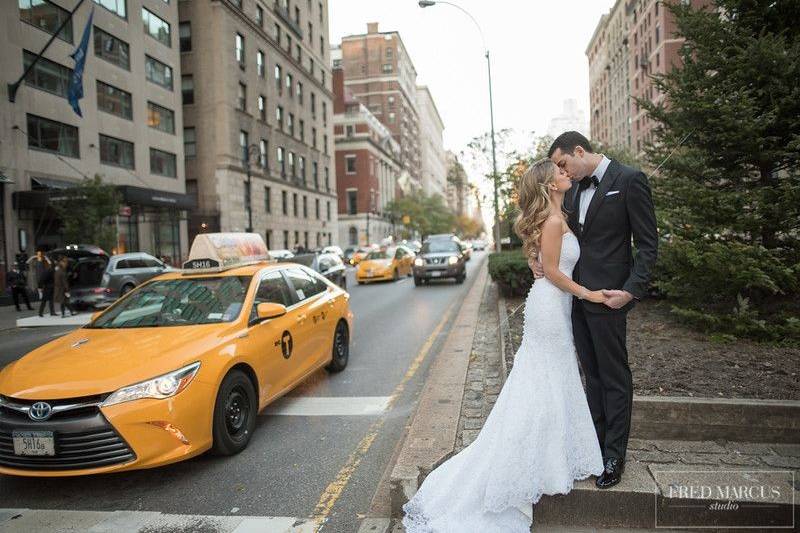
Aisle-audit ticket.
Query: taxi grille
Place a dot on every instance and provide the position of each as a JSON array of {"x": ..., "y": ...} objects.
[{"x": 84, "y": 441}]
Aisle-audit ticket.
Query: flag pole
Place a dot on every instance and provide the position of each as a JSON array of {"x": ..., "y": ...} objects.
[{"x": 14, "y": 87}]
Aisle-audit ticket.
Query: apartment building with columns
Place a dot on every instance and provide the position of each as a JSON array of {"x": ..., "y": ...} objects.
[
  {"x": 433, "y": 160},
  {"x": 258, "y": 119}
]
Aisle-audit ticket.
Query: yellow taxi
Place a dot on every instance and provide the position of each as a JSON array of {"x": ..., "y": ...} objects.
[
  {"x": 386, "y": 264},
  {"x": 176, "y": 367}
]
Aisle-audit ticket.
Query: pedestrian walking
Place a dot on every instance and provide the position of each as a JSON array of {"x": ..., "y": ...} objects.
[
  {"x": 46, "y": 282},
  {"x": 18, "y": 282},
  {"x": 61, "y": 286},
  {"x": 37, "y": 265}
]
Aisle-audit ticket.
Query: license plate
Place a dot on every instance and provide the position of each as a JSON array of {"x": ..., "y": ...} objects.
[
  {"x": 435, "y": 274},
  {"x": 33, "y": 443}
]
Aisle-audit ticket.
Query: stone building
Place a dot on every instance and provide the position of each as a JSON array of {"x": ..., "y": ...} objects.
[{"x": 433, "y": 161}]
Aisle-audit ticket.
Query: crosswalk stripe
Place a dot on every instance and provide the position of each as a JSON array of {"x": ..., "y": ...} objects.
[
  {"x": 26, "y": 520},
  {"x": 329, "y": 406}
]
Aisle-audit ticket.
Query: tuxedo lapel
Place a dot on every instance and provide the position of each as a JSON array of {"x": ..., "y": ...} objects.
[
  {"x": 612, "y": 172},
  {"x": 571, "y": 207}
]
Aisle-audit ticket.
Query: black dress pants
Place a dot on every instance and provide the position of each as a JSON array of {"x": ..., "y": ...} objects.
[
  {"x": 47, "y": 297},
  {"x": 600, "y": 342}
]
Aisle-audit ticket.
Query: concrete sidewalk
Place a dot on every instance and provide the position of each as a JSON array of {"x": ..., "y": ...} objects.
[{"x": 10, "y": 318}]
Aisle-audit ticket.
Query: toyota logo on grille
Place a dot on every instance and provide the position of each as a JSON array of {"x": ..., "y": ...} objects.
[{"x": 40, "y": 411}]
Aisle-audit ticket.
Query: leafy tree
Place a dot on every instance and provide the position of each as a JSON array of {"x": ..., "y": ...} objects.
[
  {"x": 87, "y": 211},
  {"x": 728, "y": 193},
  {"x": 425, "y": 214}
]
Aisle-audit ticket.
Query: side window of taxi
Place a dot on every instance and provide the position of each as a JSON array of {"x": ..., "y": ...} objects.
[
  {"x": 272, "y": 289},
  {"x": 305, "y": 283},
  {"x": 399, "y": 254}
]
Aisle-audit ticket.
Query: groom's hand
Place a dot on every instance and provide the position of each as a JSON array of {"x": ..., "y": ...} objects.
[
  {"x": 536, "y": 268},
  {"x": 617, "y": 299}
]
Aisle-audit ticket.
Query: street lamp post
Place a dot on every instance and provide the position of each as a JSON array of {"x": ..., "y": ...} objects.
[
  {"x": 247, "y": 154},
  {"x": 429, "y": 3}
]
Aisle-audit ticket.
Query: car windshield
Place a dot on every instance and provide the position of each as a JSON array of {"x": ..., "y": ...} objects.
[
  {"x": 439, "y": 246},
  {"x": 178, "y": 302},
  {"x": 381, "y": 254}
]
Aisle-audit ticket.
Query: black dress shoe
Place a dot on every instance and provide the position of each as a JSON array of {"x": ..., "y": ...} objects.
[{"x": 612, "y": 473}]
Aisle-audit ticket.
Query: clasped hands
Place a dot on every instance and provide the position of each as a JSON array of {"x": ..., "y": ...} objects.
[{"x": 613, "y": 298}]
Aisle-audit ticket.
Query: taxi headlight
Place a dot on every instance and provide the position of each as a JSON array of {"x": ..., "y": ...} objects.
[
  {"x": 419, "y": 262},
  {"x": 159, "y": 388},
  {"x": 452, "y": 260}
]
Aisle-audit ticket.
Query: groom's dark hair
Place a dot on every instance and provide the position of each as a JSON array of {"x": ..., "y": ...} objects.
[{"x": 567, "y": 142}]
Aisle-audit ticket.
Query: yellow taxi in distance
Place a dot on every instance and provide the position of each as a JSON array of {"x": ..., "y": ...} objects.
[
  {"x": 386, "y": 264},
  {"x": 178, "y": 366}
]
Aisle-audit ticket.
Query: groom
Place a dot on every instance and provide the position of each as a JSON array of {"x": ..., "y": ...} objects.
[{"x": 607, "y": 205}]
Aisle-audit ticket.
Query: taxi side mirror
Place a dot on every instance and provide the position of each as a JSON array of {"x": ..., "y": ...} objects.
[
  {"x": 95, "y": 315},
  {"x": 269, "y": 310}
]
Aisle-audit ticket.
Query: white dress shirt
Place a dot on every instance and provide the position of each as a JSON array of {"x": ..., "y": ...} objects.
[{"x": 588, "y": 193}]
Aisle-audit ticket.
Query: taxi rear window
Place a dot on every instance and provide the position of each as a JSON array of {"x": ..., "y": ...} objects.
[{"x": 179, "y": 302}]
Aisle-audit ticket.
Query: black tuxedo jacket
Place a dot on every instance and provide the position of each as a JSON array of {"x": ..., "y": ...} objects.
[{"x": 621, "y": 208}]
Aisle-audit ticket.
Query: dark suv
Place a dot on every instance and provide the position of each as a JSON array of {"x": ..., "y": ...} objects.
[{"x": 440, "y": 258}]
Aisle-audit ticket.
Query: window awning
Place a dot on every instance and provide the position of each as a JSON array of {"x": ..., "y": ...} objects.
[
  {"x": 4, "y": 178},
  {"x": 40, "y": 184}
]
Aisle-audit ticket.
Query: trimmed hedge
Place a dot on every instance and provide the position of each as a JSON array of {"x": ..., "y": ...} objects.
[{"x": 511, "y": 272}]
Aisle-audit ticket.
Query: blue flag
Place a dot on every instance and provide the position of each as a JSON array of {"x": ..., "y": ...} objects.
[{"x": 75, "y": 92}]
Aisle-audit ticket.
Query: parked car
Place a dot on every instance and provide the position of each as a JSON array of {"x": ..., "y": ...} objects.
[
  {"x": 334, "y": 250},
  {"x": 440, "y": 258},
  {"x": 478, "y": 245},
  {"x": 329, "y": 265},
  {"x": 280, "y": 254}
]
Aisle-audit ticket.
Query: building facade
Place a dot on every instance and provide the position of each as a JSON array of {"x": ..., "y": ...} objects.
[
  {"x": 457, "y": 191},
  {"x": 367, "y": 169},
  {"x": 130, "y": 132},
  {"x": 379, "y": 72},
  {"x": 433, "y": 162},
  {"x": 258, "y": 112},
  {"x": 571, "y": 119}
]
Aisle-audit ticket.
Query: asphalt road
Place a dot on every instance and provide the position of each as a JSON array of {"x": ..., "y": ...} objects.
[{"x": 326, "y": 467}]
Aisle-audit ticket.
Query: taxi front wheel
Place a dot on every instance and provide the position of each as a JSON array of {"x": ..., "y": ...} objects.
[
  {"x": 234, "y": 414},
  {"x": 341, "y": 348}
]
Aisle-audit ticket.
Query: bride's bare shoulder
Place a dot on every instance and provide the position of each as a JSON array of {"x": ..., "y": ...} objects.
[{"x": 553, "y": 223}]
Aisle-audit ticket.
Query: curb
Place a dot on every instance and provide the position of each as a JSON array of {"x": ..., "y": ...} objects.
[
  {"x": 431, "y": 436},
  {"x": 502, "y": 315}
]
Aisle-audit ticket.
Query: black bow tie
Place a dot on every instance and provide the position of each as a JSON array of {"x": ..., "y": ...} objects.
[{"x": 586, "y": 182}]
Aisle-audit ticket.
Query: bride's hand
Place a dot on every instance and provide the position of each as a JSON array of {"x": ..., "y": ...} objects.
[{"x": 596, "y": 297}]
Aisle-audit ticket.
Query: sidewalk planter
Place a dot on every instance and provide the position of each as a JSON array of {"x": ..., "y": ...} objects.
[{"x": 511, "y": 272}]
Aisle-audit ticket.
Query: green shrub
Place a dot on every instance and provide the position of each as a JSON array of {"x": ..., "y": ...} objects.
[{"x": 511, "y": 272}]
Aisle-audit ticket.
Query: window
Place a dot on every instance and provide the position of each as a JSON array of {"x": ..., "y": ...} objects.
[
  {"x": 314, "y": 137},
  {"x": 52, "y": 136},
  {"x": 279, "y": 117},
  {"x": 300, "y": 92},
  {"x": 313, "y": 105},
  {"x": 294, "y": 209},
  {"x": 328, "y": 210},
  {"x": 163, "y": 163},
  {"x": 263, "y": 158},
  {"x": 272, "y": 289},
  {"x": 325, "y": 144},
  {"x": 389, "y": 52},
  {"x": 282, "y": 161},
  {"x": 260, "y": 65},
  {"x": 259, "y": 15},
  {"x": 352, "y": 201},
  {"x": 290, "y": 124},
  {"x": 278, "y": 33},
  {"x": 350, "y": 164},
  {"x": 297, "y": 237},
  {"x": 321, "y": 46},
  {"x": 248, "y": 205},
  {"x": 320, "y": 11},
  {"x": 288, "y": 43},
  {"x": 658, "y": 32},
  {"x": 324, "y": 113},
  {"x": 353, "y": 235},
  {"x": 303, "y": 168},
  {"x": 187, "y": 89},
  {"x": 156, "y": 27},
  {"x": 269, "y": 238},
  {"x": 292, "y": 168},
  {"x": 262, "y": 107},
  {"x": 278, "y": 79},
  {"x": 387, "y": 68},
  {"x": 240, "y": 50},
  {"x": 116, "y": 152},
  {"x": 242, "y": 97},
  {"x": 316, "y": 207},
  {"x": 305, "y": 206},
  {"x": 302, "y": 127},
  {"x": 157, "y": 72},
  {"x": 310, "y": 32},
  {"x": 189, "y": 142},
  {"x": 289, "y": 84},
  {"x": 111, "y": 49},
  {"x": 268, "y": 201},
  {"x": 297, "y": 15},
  {"x": 285, "y": 206},
  {"x": 298, "y": 53},
  {"x": 46, "y": 16},
  {"x": 243, "y": 145},
  {"x": 113, "y": 100},
  {"x": 47, "y": 75},
  {"x": 118, "y": 7},
  {"x": 391, "y": 118},
  {"x": 185, "y": 36},
  {"x": 327, "y": 179},
  {"x": 160, "y": 118},
  {"x": 349, "y": 130},
  {"x": 315, "y": 174}
]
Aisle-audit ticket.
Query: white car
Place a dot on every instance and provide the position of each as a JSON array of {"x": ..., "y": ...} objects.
[
  {"x": 333, "y": 250},
  {"x": 280, "y": 254}
]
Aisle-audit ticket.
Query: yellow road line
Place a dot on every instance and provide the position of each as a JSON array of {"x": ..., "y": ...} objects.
[{"x": 336, "y": 487}]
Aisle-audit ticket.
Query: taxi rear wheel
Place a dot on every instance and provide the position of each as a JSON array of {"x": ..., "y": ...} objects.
[
  {"x": 341, "y": 348},
  {"x": 395, "y": 275},
  {"x": 234, "y": 414}
]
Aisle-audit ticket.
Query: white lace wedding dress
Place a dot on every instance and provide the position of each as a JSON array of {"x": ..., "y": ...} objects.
[{"x": 537, "y": 440}]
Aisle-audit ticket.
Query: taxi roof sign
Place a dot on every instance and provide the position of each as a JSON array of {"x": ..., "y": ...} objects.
[{"x": 213, "y": 252}]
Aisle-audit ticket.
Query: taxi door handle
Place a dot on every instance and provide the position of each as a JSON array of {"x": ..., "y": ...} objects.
[{"x": 301, "y": 319}]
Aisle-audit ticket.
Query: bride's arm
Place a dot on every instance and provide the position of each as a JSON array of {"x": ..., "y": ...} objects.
[{"x": 552, "y": 235}]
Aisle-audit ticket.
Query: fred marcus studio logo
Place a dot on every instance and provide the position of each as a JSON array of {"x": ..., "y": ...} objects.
[{"x": 720, "y": 499}]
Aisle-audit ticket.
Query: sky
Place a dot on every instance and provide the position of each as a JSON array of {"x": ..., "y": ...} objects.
[{"x": 537, "y": 50}]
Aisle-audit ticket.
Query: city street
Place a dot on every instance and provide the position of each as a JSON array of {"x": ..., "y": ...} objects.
[{"x": 317, "y": 456}]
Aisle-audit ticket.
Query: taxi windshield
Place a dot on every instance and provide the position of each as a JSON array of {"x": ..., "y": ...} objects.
[
  {"x": 178, "y": 302},
  {"x": 381, "y": 254}
]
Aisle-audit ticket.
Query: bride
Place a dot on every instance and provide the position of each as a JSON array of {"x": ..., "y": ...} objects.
[{"x": 539, "y": 437}]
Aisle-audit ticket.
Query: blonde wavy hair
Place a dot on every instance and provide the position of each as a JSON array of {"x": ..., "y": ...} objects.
[{"x": 533, "y": 198}]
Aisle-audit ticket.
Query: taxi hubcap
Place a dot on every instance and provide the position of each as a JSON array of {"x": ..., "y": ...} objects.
[
  {"x": 341, "y": 341},
  {"x": 237, "y": 409}
]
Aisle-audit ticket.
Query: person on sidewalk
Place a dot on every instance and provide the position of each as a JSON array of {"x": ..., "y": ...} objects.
[
  {"x": 19, "y": 286},
  {"x": 45, "y": 282},
  {"x": 38, "y": 265},
  {"x": 61, "y": 287},
  {"x": 539, "y": 437}
]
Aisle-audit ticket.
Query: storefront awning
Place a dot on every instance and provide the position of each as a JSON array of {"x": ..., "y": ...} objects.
[{"x": 154, "y": 198}]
